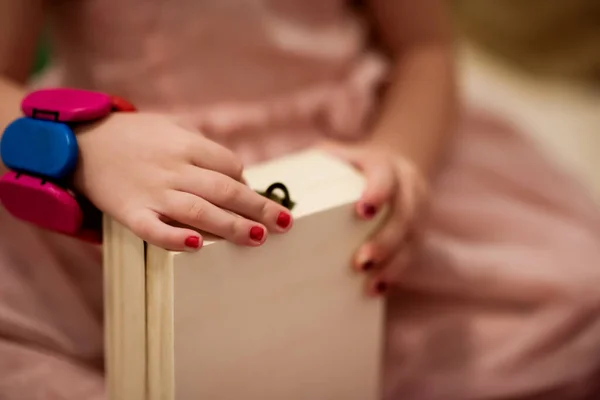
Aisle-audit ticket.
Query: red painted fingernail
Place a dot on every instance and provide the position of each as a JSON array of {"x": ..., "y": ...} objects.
[
  {"x": 283, "y": 220},
  {"x": 381, "y": 287},
  {"x": 257, "y": 233},
  {"x": 369, "y": 210},
  {"x": 192, "y": 242},
  {"x": 368, "y": 265}
]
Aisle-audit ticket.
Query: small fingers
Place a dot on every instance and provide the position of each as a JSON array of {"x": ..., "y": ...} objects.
[
  {"x": 209, "y": 155},
  {"x": 382, "y": 279},
  {"x": 399, "y": 226},
  {"x": 380, "y": 248},
  {"x": 149, "y": 227},
  {"x": 236, "y": 197},
  {"x": 383, "y": 248},
  {"x": 199, "y": 213}
]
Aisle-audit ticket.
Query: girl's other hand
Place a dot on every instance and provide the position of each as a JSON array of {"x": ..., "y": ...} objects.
[
  {"x": 393, "y": 183},
  {"x": 150, "y": 174}
]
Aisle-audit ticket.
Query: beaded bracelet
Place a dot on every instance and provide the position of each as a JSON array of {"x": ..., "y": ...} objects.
[{"x": 41, "y": 152}]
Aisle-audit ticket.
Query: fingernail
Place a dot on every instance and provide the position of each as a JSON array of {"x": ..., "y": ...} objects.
[
  {"x": 257, "y": 233},
  {"x": 283, "y": 220},
  {"x": 192, "y": 242},
  {"x": 381, "y": 287},
  {"x": 369, "y": 210},
  {"x": 364, "y": 259},
  {"x": 368, "y": 265}
]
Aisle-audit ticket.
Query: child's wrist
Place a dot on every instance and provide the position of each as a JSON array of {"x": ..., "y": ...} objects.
[
  {"x": 87, "y": 141},
  {"x": 41, "y": 151}
]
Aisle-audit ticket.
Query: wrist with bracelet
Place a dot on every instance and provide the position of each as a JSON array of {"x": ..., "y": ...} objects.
[{"x": 40, "y": 150}]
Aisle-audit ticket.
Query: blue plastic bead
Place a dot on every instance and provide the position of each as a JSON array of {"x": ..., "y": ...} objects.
[{"x": 43, "y": 148}]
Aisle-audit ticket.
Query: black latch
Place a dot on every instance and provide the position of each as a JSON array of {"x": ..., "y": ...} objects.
[{"x": 284, "y": 200}]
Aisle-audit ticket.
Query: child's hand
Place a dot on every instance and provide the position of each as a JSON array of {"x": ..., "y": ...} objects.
[
  {"x": 146, "y": 171},
  {"x": 390, "y": 181}
]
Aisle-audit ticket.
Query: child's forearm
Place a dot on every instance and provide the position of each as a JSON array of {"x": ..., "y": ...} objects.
[
  {"x": 419, "y": 106},
  {"x": 20, "y": 25},
  {"x": 10, "y": 98}
]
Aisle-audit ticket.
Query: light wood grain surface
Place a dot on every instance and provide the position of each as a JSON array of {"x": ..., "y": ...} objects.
[
  {"x": 289, "y": 320},
  {"x": 125, "y": 313}
]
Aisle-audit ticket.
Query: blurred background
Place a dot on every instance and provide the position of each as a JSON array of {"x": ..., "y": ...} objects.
[{"x": 536, "y": 62}]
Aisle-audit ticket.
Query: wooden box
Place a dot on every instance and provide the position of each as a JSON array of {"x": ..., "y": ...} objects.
[{"x": 287, "y": 320}]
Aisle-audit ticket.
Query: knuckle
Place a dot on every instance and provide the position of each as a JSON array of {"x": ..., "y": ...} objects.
[
  {"x": 232, "y": 166},
  {"x": 227, "y": 190},
  {"x": 190, "y": 145},
  {"x": 197, "y": 210},
  {"x": 179, "y": 144},
  {"x": 186, "y": 145}
]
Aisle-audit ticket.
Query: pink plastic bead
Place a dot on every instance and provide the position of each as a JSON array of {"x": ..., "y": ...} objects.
[
  {"x": 66, "y": 105},
  {"x": 40, "y": 203}
]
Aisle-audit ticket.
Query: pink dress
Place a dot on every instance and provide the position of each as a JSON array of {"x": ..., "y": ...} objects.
[{"x": 503, "y": 301}]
